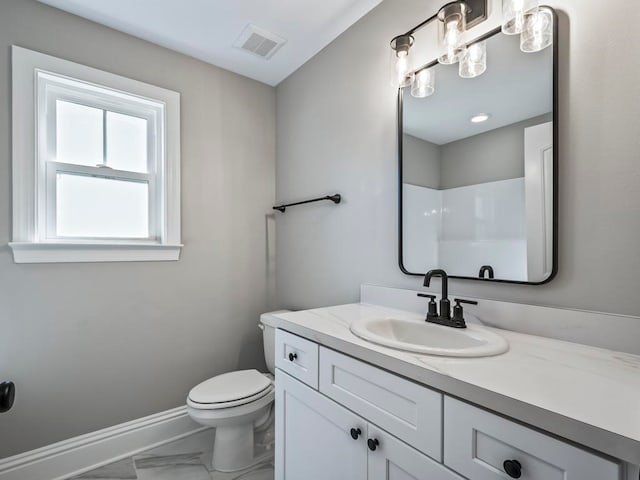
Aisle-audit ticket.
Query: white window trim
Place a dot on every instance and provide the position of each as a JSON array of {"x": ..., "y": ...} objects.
[{"x": 26, "y": 244}]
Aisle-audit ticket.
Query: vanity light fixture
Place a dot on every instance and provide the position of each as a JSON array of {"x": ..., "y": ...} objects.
[
  {"x": 480, "y": 117},
  {"x": 514, "y": 14},
  {"x": 402, "y": 70},
  {"x": 453, "y": 20},
  {"x": 424, "y": 83},
  {"x": 474, "y": 60},
  {"x": 451, "y": 26},
  {"x": 524, "y": 17},
  {"x": 533, "y": 23},
  {"x": 538, "y": 31}
]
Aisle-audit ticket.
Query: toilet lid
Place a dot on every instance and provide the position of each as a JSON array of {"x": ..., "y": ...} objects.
[{"x": 230, "y": 386}]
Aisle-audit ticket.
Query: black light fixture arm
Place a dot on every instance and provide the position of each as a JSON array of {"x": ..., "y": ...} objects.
[
  {"x": 420, "y": 25},
  {"x": 334, "y": 198}
]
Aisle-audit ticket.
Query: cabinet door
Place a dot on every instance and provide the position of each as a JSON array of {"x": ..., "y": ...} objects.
[
  {"x": 390, "y": 459},
  {"x": 313, "y": 435}
]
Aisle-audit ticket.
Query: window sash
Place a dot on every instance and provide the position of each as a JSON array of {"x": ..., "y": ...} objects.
[
  {"x": 52, "y": 88},
  {"x": 49, "y": 221},
  {"x": 52, "y": 92}
]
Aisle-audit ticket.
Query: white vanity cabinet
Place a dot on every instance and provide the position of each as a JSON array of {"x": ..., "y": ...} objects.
[
  {"x": 317, "y": 439},
  {"x": 338, "y": 418}
]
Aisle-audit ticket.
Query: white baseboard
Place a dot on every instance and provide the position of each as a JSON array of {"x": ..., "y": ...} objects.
[{"x": 80, "y": 454}]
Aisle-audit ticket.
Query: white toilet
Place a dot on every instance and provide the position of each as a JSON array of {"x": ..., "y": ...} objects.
[{"x": 236, "y": 404}]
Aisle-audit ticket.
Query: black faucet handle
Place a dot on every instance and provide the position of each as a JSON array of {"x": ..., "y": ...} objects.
[
  {"x": 432, "y": 312},
  {"x": 426, "y": 295},
  {"x": 462, "y": 300},
  {"x": 458, "y": 314}
]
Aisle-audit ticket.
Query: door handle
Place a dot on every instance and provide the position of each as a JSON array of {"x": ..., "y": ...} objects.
[{"x": 7, "y": 396}]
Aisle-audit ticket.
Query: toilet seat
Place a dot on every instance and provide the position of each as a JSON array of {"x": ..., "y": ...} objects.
[{"x": 230, "y": 390}]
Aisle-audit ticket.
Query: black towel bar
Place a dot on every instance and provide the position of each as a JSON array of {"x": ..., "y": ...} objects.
[{"x": 334, "y": 198}]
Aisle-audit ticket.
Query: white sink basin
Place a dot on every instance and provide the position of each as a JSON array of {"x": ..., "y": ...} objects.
[{"x": 430, "y": 339}]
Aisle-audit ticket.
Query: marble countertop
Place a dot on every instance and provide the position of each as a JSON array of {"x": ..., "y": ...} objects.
[{"x": 587, "y": 395}]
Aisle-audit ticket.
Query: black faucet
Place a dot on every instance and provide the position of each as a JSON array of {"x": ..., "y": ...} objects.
[
  {"x": 445, "y": 304},
  {"x": 444, "y": 317}
]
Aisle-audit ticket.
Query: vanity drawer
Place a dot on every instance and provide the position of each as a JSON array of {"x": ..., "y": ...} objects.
[
  {"x": 298, "y": 357},
  {"x": 403, "y": 408},
  {"x": 477, "y": 444}
]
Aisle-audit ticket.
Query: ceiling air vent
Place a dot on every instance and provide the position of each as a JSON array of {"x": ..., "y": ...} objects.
[{"x": 259, "y": 42}]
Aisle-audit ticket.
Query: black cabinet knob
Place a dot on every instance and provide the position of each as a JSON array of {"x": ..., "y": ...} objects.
[
  {"x": 355, "y": 433},
  {"x": 7, "y": 396},
  {"x": 292, "y": 356},
  {"x": 512, "y": 468},
  {"x": 373, "y": 443}
]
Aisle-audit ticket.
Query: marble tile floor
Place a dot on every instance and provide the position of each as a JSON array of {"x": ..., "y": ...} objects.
[{"x": 185, "y": 459}]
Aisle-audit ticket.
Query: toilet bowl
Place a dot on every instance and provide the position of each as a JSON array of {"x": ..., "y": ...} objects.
[{"x": 237, "y": 404}]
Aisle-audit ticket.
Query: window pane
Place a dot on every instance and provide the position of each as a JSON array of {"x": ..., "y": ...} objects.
[
  {"x": 101, "y": 207},
  {"x": 126, "y": 142},
  {"x": 78, "y": 134}
]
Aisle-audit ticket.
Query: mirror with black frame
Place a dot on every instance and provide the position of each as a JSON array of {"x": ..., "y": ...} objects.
[{"x": 478, "y": 168}]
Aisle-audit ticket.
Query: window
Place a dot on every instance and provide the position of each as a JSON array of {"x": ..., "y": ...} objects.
[
  {"x": 101, "y": 152},
  {"x": 95, "y": 163}
]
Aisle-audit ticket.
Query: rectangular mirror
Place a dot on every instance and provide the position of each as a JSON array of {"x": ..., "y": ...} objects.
[{"x": 478, "y": 168}]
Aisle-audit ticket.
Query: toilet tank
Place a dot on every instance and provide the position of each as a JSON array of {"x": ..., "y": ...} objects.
[{"x": 269, "y": 338}]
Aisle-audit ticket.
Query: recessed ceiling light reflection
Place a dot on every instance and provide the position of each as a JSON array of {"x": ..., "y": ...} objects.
[{"x": 481, "y": 117}]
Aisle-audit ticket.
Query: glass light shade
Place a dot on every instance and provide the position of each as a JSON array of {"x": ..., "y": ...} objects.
[
  {"x": 538, "y": 31},
  {"x": 514, "y": 13},
  {"x": 452, "y": 25},
  {"x": 474, "y": 60},
  {"x": 424, "y": 83},
  {"x": 401, "y": 65}
]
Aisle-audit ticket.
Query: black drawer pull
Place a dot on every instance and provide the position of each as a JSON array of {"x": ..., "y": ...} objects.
[
  {"x": 355, "y": 433},
  {"x": 373, "y": 443},
  {"x": 7, "y": 396},
  {"x": 292, "y": 356},
  {"x": 513, "y": 468}
]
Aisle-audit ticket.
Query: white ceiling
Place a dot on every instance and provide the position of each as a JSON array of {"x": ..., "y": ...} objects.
[
  {"x": 515, "y": 87},
  {"x": 207, "y": 29}
]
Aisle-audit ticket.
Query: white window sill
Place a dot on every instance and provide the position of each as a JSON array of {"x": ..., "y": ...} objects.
[{"x": 26, "y": 252}]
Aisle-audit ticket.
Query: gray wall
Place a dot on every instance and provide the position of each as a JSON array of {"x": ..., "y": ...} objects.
[
  {"x": 336, "y": 130},
  {"x": 488, "y": 157},
  {"x": 420, "y": 162},
  {"x": 92, "y": 345}
]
